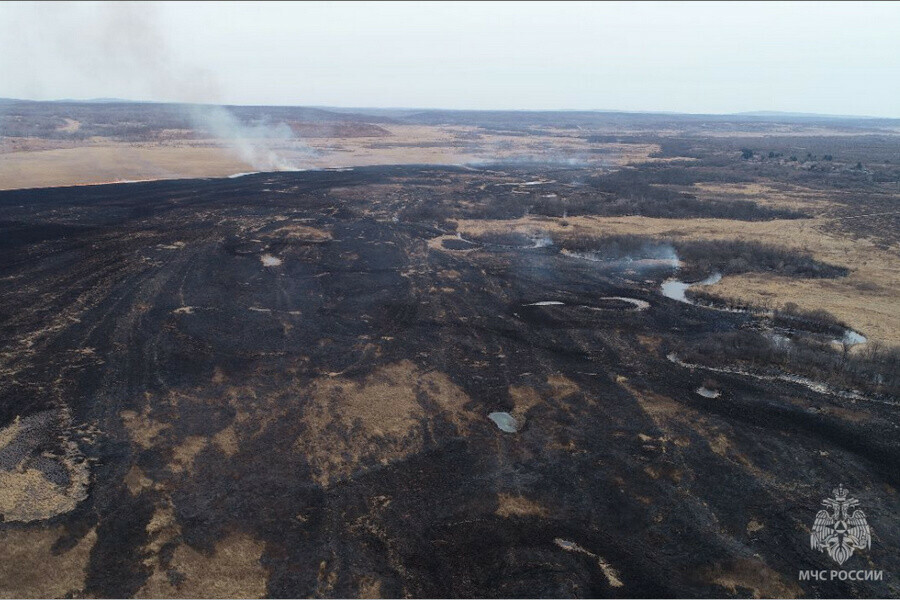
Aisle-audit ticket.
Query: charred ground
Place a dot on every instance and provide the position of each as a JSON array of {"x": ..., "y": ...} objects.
[{"x": 280, "y": 384}]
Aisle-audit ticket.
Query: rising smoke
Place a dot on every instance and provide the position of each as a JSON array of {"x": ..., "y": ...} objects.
[
  {"x": 126, "y": 42},
  {"x": 265, "y": 146},
  {"x": 624, "y": 252}
]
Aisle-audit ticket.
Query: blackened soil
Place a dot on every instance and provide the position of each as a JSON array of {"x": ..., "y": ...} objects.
[{"x": 271, "y": 402}]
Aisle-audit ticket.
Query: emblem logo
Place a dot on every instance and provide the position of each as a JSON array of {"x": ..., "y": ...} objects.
[{"x": 837, "y": 532}]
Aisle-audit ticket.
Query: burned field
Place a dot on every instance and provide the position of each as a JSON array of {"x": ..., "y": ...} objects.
[{"x": 366, "y": 382}]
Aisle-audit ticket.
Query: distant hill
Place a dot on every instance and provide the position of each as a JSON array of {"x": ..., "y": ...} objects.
[
  {"x": 142, "y": 121},
  {"x": 799, "y": 115}
]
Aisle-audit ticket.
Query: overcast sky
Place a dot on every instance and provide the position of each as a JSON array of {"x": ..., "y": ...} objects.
[{"x": 837, "y": 58}]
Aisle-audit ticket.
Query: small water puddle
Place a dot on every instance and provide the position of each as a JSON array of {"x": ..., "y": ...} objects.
[{"x": 504, "y": 421}]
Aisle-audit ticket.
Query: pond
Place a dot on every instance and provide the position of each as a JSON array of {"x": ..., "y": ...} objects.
[{"x": 504, "y": 421}]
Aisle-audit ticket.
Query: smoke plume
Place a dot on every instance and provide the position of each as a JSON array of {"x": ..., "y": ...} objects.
[
  {"x": 265, "y": 146},
  {"x": 127, "y": 42}
]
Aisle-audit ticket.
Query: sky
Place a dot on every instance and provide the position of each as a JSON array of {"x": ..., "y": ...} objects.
[{"x": 832, "y": 58}]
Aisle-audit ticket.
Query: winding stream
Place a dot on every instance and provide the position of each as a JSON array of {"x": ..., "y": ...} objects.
[
  {"x": 676, "y": 289},
  {"x": 816, "y": 386}
]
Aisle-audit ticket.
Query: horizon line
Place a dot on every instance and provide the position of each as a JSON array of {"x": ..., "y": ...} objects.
[{"x": 759, "y": 113}]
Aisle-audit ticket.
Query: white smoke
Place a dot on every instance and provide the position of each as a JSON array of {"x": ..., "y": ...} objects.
[
  {"x": 102, "y": 49},
  {"x": 666, "y": 252},
  {"x": 264, "y": 146},
  {"x": 647, "y": 256},
  {"x": 128, "y": 43}
]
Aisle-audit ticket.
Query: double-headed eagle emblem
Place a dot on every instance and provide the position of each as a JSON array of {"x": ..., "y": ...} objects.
[{"x": 837, "y": 532}]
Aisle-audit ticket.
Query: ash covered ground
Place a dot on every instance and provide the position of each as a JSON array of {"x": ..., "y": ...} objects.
[{"x": 315, "y": 384}]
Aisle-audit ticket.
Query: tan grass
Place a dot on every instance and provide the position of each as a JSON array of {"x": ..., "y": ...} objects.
[
  {"x": 299, "y": 233},
  {"x": 183, "y": 455},
  {"x": 136, "y": 481},
  {"x": 561, "y": 386},
  {"x": 113, "y": 162},
  {"x": 352, "y": 425},
  {"x": 754, "y": 575},
  {"x": 227, "y": 441},
  {"x": 26, "y": 493},
  {"x": 30, "y": 568},
  {"x": 368, "y": 587},
  {"x": 519, "y": 506},
  {"x": 785, "y": 196},
  {"x": 144, "y": 431},
  {"x": 29, "y": 163},
  {"x": 233, "y": 570},
  {"x": 875, "y": 312}
]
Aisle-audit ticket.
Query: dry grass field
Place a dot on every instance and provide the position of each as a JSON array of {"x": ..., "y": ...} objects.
[{"x": 31, "y": 163}]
